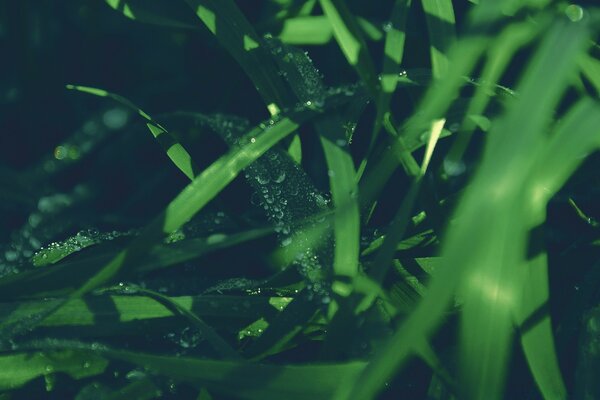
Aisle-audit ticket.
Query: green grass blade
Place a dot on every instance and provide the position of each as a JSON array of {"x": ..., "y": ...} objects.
[
  {"x": 347, "y": 33},
  {"x": 206, "y": 186},
  {"x": 19, "y": 368},
  {"x": 499, "y": 56},
  {"x": 175, "y": 151},
  {"x": 590, "y": 68},
  {"x": 59, "y": 279},
  {"x": 84, "y": 312},
  {"x": 253, "y": 381},
  {"x": 217, "y": 342},
  {"x": 233, "y": 31},
  {"x": 316, "y": 30},
  {"x": 493, "y": 199},
  {"x": 167, "y": 13},
  {"x": 572, "y": 140},
  {"x": 439, "y": 15}
]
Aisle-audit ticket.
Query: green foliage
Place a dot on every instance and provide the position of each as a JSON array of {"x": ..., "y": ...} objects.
[{"x": 298, "y": 260}]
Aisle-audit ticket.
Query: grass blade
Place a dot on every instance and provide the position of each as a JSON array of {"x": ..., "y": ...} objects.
[
  {"x": 176, "y": 152},
  {"x": 224, "y": 19},
  {"x": 350, "y": 39},
  {"x": 439, "y": 15}
]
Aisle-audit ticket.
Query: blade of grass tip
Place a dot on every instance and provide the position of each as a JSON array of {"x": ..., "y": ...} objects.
[
  {"x": 347, "y": 33},
  {"x": 436, "y": 101},
  {"x": 401, "y": 220},
  {"x": 217, "y": 342},
  {"x": 439, "y": 16},
  {"x": 500, "y": 53},
  {"x": 233, "y": 31},
  {"x": 175, "y": 151}
]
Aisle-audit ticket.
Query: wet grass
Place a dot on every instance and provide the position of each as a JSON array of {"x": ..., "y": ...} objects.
[{"x": 400, "y": 233}]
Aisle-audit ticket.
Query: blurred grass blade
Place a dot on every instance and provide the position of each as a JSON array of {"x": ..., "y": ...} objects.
[
  {"x": 439, "y": 15},
  {"x": 490, "y": 280},
  {"x": 176, "y": 152},
  {"x": 567, "y": 147},
  {"x": 252, "y": 381},
  {"x": 590, "y": 67},
  {"x": 233, "y": 31},
  {"x": 499, "y": 56},
  {"x": 129, "y": 308},
  {"x": 158, "y": 12},
  {"x": 19, "y": 368},
  {"x": 350, "y": 39}
]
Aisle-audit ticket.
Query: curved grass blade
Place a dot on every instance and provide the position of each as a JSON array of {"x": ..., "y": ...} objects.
[
  {"x": 176, "y": 152},
  {"x": 225, "y": 20},
  {"x": 439, "y": 15},
  {"x": 252, "y": 381},
  {"x": 206, "y": 186},
  {"x": 347, "y": 33},
  {"x": 216, "y": 341}
]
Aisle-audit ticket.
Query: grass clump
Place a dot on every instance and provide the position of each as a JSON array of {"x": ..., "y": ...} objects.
[{"x": 402, "y": 221}]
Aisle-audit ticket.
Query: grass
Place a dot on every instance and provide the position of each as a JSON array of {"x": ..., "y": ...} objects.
[{"x": 392, "y": 233}]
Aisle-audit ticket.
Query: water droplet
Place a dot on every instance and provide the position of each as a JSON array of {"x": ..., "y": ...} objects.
[
  {"x": 115, "y": 118},
  {"x": 574, "y": 12},
  {"x": 454, "y": 168},
  {"x": 262, "y": 179},
  {"x": 252, "y": 140},
  {"x": 387, "y": 26},
  {"x": 216, "y": 238},
  {"x": 280, "y": 178}
]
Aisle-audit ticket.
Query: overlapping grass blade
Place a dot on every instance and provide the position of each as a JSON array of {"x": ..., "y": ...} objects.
[
  {"x": 62, "y": 277},
  {"x": 176, "y": 152},
  {"x": 19, "y": 368},
  {"x": 225, "y": 20},
  {"x": 490, "y": 283},
  {"x": 572, "y": 140},
  {"x": 501, "y": 52},
  {"x": 81, "y": 313},
  {"x": 350, "y": 39},
  {"x": 253, "y": 381},
  {"x": 439, "y": 15},
  {"x": 217, "y": 342}
]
